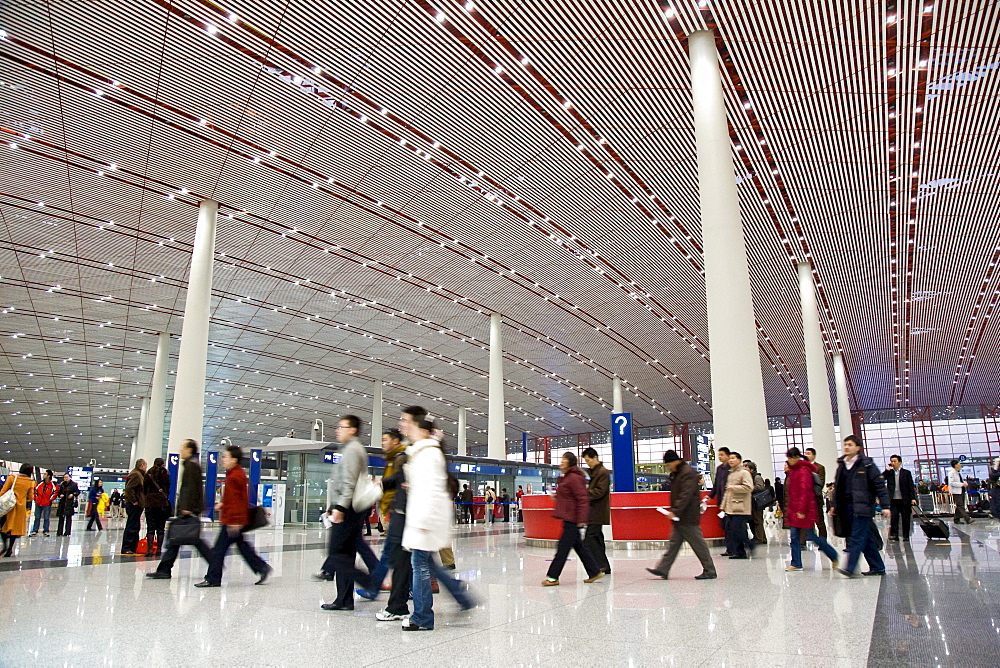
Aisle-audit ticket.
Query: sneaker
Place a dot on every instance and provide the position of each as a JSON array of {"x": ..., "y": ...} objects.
[
  {"x": 549, "y": 582},
  {"x": 386, "y": 616},
  {"x": 792, "y": 569},
  {"x": 46, "y": 535},
  {"x": 600, "y": 574},
  {"x": 33, "y": 534},
  {"x": 367, "y": 595}
]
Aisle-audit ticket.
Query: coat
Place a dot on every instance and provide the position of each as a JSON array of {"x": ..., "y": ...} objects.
[
  {"x": 685, "y": 495},
  {"x": 353, "y": 460},
  {"x": 906, "y": 488},
  {"x": 393, "y": 462},
  {"x": 572, "y": 500},
  {"x": 46, "y": 493},
  {"x": 737, "y": 501},
  {"x": 429, "y": 511},
  {"x": 857, "y": 489},
  {"x": 719, "y": 488},
  {"x": 156, "y": 487},
  {"x": 235, "y": 498},
  {"x": 397, "y": 508},
  {"x": 69, "y": 492},
  {"x": 15, "y": 522},
  {"x": 599, "y": 491},
  {"x": 133, "y": 488},
  {"x": 191, "y": 488},
  {"x": 803, "y": 510}
]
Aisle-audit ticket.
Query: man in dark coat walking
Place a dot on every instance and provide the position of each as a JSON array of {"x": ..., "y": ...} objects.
[
  {"x": 599, "y": 491},
  {"x": 685, "y": 513},
  {"x": 857, "y": 487},
  {"x": 902, "y": 498}
]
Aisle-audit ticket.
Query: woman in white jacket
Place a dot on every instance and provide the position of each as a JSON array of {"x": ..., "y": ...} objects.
[{"x": 429, "y": 519}]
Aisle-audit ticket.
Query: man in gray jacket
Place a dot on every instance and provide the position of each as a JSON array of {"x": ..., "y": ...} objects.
[{"x": 346, "y": 530}]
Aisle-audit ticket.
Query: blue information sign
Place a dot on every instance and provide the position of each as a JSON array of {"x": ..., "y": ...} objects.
[
  {"x": 211, "y": 472},
  {"x": 524, "y": 446},
  {"x": 254, "y": 475},
  {"x": 622, "y": 452},
  {"x": 173, "y": 464}
]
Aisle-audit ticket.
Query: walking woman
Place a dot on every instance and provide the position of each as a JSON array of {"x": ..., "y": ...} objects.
[
  {"x": 429, "y": 520},
  {"x": 573, "y": 508},
  {"x": 803, "y": 508},
  {"x": 93, "y": 499},
  {"x": 15, "y": 522}
]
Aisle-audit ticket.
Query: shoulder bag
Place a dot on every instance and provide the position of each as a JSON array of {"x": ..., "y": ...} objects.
[
  {"x": 9, "y": 499},
  {"x": 184, "y": 530},
  {"x": 256, "y": 519}
]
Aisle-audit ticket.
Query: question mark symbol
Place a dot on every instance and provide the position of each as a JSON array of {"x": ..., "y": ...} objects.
[{"x": 622, "y": 422}]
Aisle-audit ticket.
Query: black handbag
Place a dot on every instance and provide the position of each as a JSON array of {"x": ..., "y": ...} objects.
[
  {"x": 256, "y": 519},
  {"x": 841, "y": 526},
  {"x": 764, "y": 498},
  {"x": 184, "y": 530}
]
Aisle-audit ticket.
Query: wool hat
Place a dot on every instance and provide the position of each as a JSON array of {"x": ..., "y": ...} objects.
[{"x": 671, "y": 456}]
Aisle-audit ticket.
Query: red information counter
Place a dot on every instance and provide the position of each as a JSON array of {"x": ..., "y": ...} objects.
[{"x": 633, "y": 517}]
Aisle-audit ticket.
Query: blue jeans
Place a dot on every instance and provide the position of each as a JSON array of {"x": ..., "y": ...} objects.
[
  {"x": 423, "y": 600},
  {"x": 42, "y": 512},
  {"x": 862, "y": 541},
  {"x": 810, "y": 535}
]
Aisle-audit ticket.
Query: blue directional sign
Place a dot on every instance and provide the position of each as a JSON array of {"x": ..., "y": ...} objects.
[
  {"x": 210, "y": 474},
  {"x": 254, "y": 475},
  {"x": 622, "y": 452},
  {"x": 173, "y": 464}
]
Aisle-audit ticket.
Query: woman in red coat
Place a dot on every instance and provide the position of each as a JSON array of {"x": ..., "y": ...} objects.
[
  {"x": 573, "y": 508},
  {"x": 801, "y": 508}
]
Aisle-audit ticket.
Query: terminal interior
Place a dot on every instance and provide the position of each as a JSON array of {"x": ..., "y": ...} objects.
[{"x": 632, "y": 226}]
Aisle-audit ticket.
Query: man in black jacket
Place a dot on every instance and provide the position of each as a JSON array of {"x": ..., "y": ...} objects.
[
  {"x": 719, "y": 488},
  {"x": 685, "y": 514},
  {"x": 857, "y": 487},
  {"x": 190, "y": 503},
  {"x": 599, "y": 491},
  {"x": 902, "y": 495}
]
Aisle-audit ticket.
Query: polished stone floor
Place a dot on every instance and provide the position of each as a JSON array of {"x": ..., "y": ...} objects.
[{"x": 71, "y": 601}]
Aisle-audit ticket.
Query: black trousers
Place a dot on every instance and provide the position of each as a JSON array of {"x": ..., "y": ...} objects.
[
  {"x": 960, "y": 511},
  {"x": 172, "y": 550},
  {"x": 402, "y": 578},
  {"x": 93, "y": 517},
  {"x": 594, "y": 540},
  {"x": 342, "y": 552},
  {"x": 156, "y": 521},
  {"x": 737, "y": 538},
  {"x": 130, "y": 537},
  {"x": 221, "y": 547},
  {"x": 570, "y": 540},
  {"x": 901, "y": 512},
  {"x": 65, "y": 521}
]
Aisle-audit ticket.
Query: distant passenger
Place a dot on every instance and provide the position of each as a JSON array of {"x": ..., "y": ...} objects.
[
  {"x": 685, "y": 514},
  {"x": 858, "y": 486},
  {"x": 803, "y": 503},
  {"x": 504, "y": 504},
  {"x": 737, "y": 505},
  {"x": 69, "y": 492},
  {"x": 719, "y": 486},
  {"x": 995, "y": 489},
  {"x": 821, "y": 471},
  {"x": 233, "y": 516},
  {"x": 15, "y": 522},
  {"x": 190, "y": 503},
  {"x": 573, "y": 510},
  {"x": 599, "y": 493},
  {"x": 93, "y": 517},
  {"x": 517, "y": 495},
  {"x": 956, "y": 487},
  {"x": 156, "y": 491},
  {"x": 395, "y": 457},
  {"x": 467, "y": 498},
  {"x": 756, "y": 514},
  {"x": 46, "y": 492},
  {"x": 902, "y": 498},
  {"x": 133, "y": 508},
  {"x": 490, "y": 499}
]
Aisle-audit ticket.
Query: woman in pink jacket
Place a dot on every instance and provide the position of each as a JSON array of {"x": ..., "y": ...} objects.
[
  {"x": 573, "y": 508},
  {"x": 801, "y": 509}
]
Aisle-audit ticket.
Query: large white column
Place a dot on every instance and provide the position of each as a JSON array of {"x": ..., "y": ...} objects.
[
  {"x": 618, "y": 406},
  {"x": 843, "y": 399},
  {"x": 187, "y": 414},
  {"x": 377, "y": 415},
  {"x": 496, "y": 433},
  {"x": 463, "y": 447},
  {"x": 131, "y": 457},
  {"x": 152, "y": 433},
  {"x": 820, "y": 407},
  {"x": 739, "y": 412},
  {"x": 140, "y": 432}
]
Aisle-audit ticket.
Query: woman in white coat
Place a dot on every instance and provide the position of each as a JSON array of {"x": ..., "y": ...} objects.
[{"x": 429, "y": 519}]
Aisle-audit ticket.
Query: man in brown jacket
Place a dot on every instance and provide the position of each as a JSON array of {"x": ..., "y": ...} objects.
[
  {"x": 685, "y": 514},
  {"x": 821, "y": 472},
  {"x": 133, "y": 508},
  {"x": 599, "y": 491},
  {"x": 738, "y": 505}
]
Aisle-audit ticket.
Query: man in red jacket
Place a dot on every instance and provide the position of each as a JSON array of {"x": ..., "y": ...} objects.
[
  {"x": 573, "y": 508},
  {"x": 234, "y": 516},
  {"x": 45, "y": 493}
]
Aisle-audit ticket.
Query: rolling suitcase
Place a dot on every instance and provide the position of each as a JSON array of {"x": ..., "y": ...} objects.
[{"x": 932, "y": 527}]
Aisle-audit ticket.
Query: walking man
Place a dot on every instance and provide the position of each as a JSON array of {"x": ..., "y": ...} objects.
[
  {"x": 395, "y": 457},
  {"x": 956, "y": 487},
  {"x": 902, "y": 495},
  {"x": 685, "y": 514},
  {"x": 599, "y": 491},
  {"x": 133, "y": 508},
  {"x": 719, "y": 487},
  {"x": 737, "y": 506},
  {"x": 858, "y": 485},
  {"x": 572, "y": 509}
]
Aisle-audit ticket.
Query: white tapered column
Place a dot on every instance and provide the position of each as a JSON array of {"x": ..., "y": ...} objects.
[
  {"x": 739, "y": 412},
  {"x": 187, "y": 414},
  {"x": 140, "y": 432},
  {"x": 463, "y": 447},
  {"x": 820, "y": 407},
  {"x": 377, "y": 415},
  {"x": 496, "y": 434},
  {"x": 843, "y": 399},
  {"x": 618, "y": 406},
  {"x": 152, "y": 432}
]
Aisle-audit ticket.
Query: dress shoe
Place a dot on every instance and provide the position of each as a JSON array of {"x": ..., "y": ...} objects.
[
  {"x": 846, "y": 574},
  {"x": 410, "y": 626},
  {"x": 870, "y": 573},
  {"x": 336, "y": 606},
  {"x": 739, "y": 557},
  {"x": 157, "y": 575},
  {"x": 706, "y": 576},
  {"x": 726, "y": 554},
  {"x": 549, "y": 582},
  {"x": 600, "y": 574},
  {"x": 206, "y": 583},
  {"x": 264, "y": 575},
  {"x": 323, "y": 576},
  {"x": 659, "y": 574}
]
